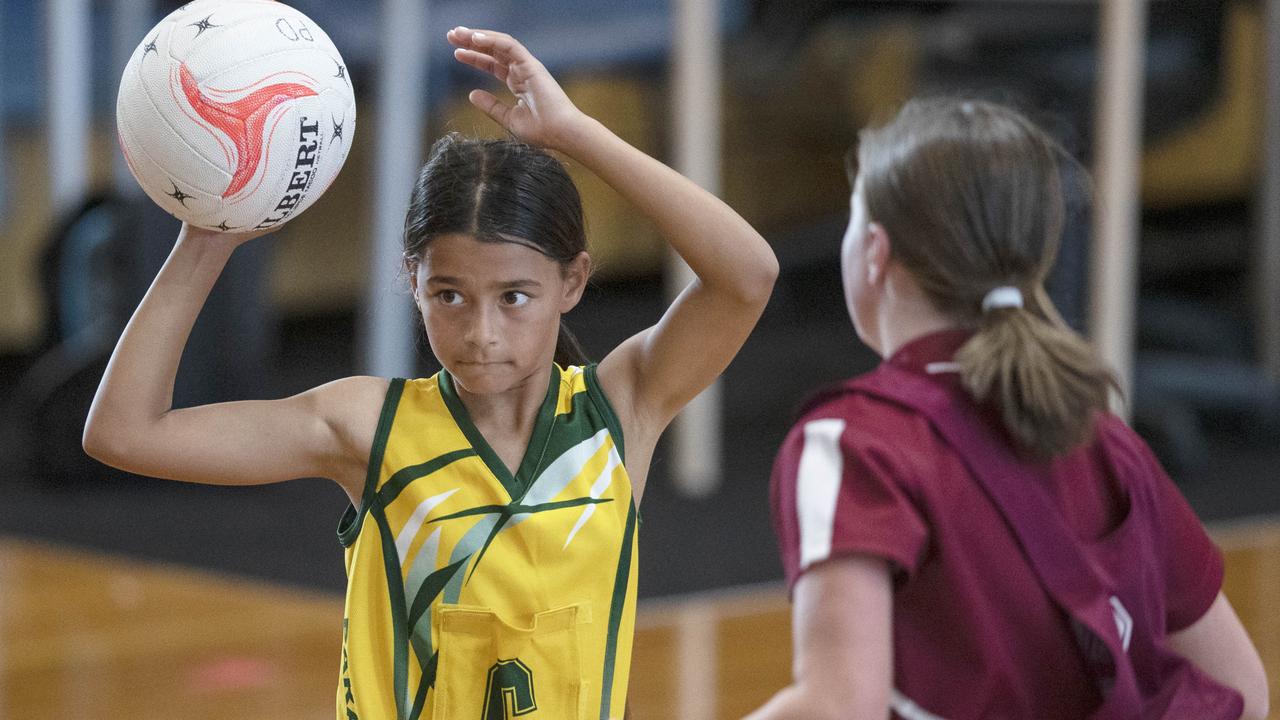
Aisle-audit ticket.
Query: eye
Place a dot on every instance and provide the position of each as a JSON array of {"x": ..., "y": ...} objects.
[
  {"x": 449, "y": 297},
  {"x": 514, "y": 298}
]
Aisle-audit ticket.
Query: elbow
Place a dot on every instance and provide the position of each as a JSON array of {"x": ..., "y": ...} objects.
[
  {"x": 103, "y": 445},
  {"x": 96, "y": 445},
  {"x": 769, "y": 274},
  {"x": 758, "y": 279}
]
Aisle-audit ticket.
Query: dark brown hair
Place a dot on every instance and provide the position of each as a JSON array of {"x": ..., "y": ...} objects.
[
  {"x": 970, "y": 194},
  {"x": 498, "y": 191}
]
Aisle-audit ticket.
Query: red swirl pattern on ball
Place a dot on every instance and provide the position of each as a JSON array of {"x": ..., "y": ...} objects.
[{"x": 242, "y": 120}]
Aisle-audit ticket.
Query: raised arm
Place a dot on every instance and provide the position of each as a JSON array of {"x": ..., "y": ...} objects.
[
  {"x": 655, "y": 373},
  {"x": 132, "y": 425}
]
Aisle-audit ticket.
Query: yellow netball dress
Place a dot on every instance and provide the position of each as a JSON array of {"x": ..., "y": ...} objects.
[{"x": 474, "y": 594}]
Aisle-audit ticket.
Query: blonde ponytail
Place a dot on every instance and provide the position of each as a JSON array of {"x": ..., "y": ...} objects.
[{"x": 1047, "y": 382}]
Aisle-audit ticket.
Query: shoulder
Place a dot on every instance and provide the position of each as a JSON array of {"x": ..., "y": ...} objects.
[
  {"x": 851, "y": 429},
  {"x": 1128, "y": 452},
  {"x": 577, "y": 390},
  {"x": 387, "y": 400},
  {"x": 576, "y": 379},
  {"x": 351, "y": 394},
  {"x": 345, "y": 413},
  {"x": 350, "y": 406},
  {"x": 851, "y": 478},
  {"x": 617, "y": 375},
  {"x": 864, "y": 420},
  {"x": 614, "y": 384},
  {"x": 581, "y": 391}
]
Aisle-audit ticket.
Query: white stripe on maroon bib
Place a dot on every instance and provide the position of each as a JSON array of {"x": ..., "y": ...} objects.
[{"x": 817, "y": 485}]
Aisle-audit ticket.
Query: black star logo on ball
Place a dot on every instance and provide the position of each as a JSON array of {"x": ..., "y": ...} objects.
[
  {"x": 202, "y": 25},
  {"x": 150, "y": 47},
  {"x": 224, "y": 227},
  {"x": 337, "y": 129},
  {"x": 178, "y": 194}
]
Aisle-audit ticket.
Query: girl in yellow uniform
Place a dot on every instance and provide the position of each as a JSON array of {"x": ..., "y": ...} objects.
[{"x": 491, "y": 540}]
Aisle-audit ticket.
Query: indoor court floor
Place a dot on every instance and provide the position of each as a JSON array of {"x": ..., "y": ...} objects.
[{"x": 85, "y": 635}]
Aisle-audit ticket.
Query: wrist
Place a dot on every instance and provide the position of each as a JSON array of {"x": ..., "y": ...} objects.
[
  {"x": 206, "y": 245},
  {"x": 214, "y": 241},
  {"x": 577, "y": 137}
]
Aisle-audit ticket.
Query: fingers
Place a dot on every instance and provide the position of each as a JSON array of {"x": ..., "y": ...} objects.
[
  {"x": 490, "y": 105},
  {"x": 501, "y": 46},
  {"x": 482, "y": 62},
  {"x": 233, "y": 238}
]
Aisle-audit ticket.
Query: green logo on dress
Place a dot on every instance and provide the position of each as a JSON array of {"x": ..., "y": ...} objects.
[{"x": 510, "y": 683}]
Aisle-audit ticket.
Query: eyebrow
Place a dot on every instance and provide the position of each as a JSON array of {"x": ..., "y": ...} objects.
[{"x": 502, "y": 285}]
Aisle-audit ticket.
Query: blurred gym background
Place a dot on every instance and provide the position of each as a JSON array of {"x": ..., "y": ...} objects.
[{"x": 1171, "y": 262}]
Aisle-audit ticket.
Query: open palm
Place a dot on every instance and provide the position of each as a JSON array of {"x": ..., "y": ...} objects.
[{"x": 541, "y": 114}]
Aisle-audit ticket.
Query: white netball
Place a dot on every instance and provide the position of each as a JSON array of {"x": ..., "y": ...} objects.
[{"x": 235, "y": 114}]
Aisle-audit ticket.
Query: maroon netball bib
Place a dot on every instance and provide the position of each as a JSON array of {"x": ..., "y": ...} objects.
[{"x": 1110, "y": 631}]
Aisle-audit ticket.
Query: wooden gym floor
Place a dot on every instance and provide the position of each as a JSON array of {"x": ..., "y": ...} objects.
[{"x": 92, "y": 636}]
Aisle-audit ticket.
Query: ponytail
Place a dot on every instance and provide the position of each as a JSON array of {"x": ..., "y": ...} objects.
[
  {"x": 568, "y": 350},
  {"x": 1046, "y": 381}
]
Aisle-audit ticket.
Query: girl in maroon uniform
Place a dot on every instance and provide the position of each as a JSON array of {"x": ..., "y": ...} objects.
[{"x": 966, "y": 531}]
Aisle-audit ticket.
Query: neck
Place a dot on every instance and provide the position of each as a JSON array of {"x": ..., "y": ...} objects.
[
  {"x": 906, "y": 314},
  {"x": 512, "y": 410}
]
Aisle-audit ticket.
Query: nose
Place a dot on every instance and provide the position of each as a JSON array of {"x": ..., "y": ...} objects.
[{"x": 483, "y": 331}]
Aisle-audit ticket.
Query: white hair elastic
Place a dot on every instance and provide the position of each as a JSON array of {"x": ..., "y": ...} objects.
[{"x": 1004, "y": 296}]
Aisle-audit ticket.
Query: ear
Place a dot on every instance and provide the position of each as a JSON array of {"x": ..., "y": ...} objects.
[
  {"x": 411, "y": 268},
  {"x": 877, "y": 249},
  {"x": 575, "y": 275}
]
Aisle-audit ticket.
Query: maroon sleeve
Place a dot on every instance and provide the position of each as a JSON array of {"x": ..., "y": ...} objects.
[
  {"x": 846, "y": 502},
  {"x": 1192, "y": 564}
]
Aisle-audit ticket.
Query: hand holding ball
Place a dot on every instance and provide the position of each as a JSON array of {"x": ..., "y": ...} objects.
[{"x": 235, "y": 114}]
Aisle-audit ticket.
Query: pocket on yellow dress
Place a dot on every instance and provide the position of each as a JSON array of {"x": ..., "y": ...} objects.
[{"x": 489, "y": 669}]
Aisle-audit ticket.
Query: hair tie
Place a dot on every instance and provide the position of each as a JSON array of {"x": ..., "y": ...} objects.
[{"x": 1004, "y": 296}]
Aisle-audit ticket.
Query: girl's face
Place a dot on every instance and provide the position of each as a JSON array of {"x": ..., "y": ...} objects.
[
  {"x": 492, "y": 309},
  {"x": 857, "y": 268}
]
